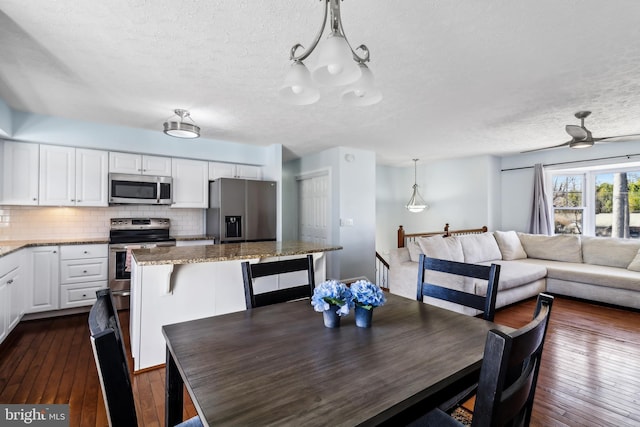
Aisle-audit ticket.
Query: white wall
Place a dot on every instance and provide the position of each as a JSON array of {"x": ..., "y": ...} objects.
[
  {"x": 462, "y": 192},
  {"x": 353, "y": 189}
]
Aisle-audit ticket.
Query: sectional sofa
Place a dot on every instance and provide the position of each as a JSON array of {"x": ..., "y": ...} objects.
[{"x": 599, "y": 269}]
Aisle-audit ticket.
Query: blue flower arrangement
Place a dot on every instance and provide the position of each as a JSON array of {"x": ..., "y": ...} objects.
[
  {"x": 367, "y": 295},
  {"x": 332, "y": 292}
]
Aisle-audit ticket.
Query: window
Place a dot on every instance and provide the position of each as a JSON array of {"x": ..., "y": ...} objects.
[{"x": 602, "y": 201}]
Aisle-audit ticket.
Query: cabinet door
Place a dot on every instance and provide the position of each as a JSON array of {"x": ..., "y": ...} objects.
[
  {"x": 15, "y": 298},
  {"x": 20, "y": 173},
  {"x": 249, "y": 171},
  {"x": 4, "y": 315},
  {"x": 125, "y": 163},
  {"x": 92, "y": 177},
  {"x": 44, "y": 287},
  {"x": 156, "y": 165},
  {"x": 190, "y": 183},
  {"x": 57, "y": 176},
  {"x": 221, "y": 170}
]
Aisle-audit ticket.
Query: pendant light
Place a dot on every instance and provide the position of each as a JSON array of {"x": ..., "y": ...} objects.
[
  {"x": 180, "y": 128},
  {"x": 338, "y": 64},
  {"x": 416, "y": 202}
]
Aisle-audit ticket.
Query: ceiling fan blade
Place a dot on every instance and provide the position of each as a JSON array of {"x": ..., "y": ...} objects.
[
  {"x": 629, "y": 137},
  {"x": 566, "y": 144},
  {"x": 577, "y": 132}
]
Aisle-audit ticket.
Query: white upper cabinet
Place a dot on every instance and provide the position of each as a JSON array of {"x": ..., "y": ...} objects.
[
  {"x": 230, "y": 170},
  {"x": 19, "y": 173},
  {"x": 190, "y": 183},
  {"x": 139, "y": 164},
  {"x": 92, "y": 177},
  {"x": 57, "y": 176},
  {"x": 73, "y": 177}
]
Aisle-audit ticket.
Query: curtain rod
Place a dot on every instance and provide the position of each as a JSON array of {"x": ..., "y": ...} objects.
[{"x": 625, "y": 156}]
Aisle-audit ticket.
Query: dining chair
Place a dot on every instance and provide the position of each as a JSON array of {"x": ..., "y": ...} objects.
[
  {"x": 486, "y": 303},
  {"x": 111, "y": 361},
  {"x": 508, "y": 375},
  {"x": 262, "y": 269}
]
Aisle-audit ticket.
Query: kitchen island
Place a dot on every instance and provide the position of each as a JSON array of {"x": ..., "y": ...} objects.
[{"x": 176, "y": 284}]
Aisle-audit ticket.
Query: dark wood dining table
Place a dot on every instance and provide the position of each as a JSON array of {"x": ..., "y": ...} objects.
[{"x": 278, "y": 365}]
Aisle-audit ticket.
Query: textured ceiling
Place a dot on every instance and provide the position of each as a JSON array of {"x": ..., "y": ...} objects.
[{"x": 459, "y": 78}]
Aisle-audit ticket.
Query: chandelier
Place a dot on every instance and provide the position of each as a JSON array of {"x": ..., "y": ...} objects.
[
  {"x": 337, "y": 65},
  {"x": 181, "y": 128},
  {"x": 416, "y": 202}
]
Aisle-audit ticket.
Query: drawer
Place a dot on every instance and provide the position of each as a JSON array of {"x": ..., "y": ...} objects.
[
  {"x": 80, "y": 295},
  {"x": 84, "y": 251},
  {"x": 83, "y": 270}
]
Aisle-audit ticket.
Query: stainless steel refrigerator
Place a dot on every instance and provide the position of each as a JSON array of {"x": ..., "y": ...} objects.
[{"x": 241, "y": 210}]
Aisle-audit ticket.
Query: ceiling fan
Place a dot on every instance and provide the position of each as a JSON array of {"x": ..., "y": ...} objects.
[{"x": 580, "y": 136}]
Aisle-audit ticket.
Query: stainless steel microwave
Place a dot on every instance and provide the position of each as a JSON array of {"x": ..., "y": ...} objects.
[{"x": 140, "y": 189}]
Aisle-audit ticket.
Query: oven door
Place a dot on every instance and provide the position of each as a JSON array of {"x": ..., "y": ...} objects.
[{"x": 120, "y": 269}]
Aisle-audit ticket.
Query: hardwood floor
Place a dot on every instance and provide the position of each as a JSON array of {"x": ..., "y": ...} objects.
[{"x": 590, "y": 373}]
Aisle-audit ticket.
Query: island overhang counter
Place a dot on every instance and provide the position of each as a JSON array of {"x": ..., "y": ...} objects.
[{"x": 176, "y": 284}]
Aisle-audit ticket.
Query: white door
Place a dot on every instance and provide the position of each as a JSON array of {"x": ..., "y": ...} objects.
[
  {"x": 44, "y": 289},
  {"x": 314, "y": 205},
  {"x": 190, "y": 183}
]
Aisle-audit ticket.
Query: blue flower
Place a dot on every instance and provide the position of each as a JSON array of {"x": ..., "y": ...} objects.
[
  {"x": 332, "y": 292},
  {"x": 367, "y": 295}
]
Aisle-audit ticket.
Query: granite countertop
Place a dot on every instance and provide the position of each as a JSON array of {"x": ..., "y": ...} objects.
[
  {"x": 225, "y": 252},
  {"x": 9, "y": 246}
]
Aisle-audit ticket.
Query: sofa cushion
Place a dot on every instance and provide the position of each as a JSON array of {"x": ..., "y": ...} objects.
[
  {"x": 634, "y": 265},
  {"x": 512, "y": 275},
  {"x": 479, "y": 247},
  {"x": 414, "y": 251},
  {"x": 448, "y": 248},
  {"x": 510, "y": 245},
  {"x": 609, "y": 251},
  {"x": 562, "y": 247},
  {"x": 599, "y": 275}
]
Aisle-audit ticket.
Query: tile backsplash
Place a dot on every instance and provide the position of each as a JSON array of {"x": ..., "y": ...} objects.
[{"x": 27, "y": 223}]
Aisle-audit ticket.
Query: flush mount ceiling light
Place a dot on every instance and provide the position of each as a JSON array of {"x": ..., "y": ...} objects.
[
  {"x": 416, "y": 202},
  {"x": 338, "y": 65},
  {"x": 181, "y": 128}
]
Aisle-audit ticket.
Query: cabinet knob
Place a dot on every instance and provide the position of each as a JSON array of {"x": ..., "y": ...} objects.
[
  {"x": 55, "y": 252},
  {"x": 84, "y": 271},
  {"x": 35, "y": 199},
  {"x": 84, "y": 295},
  {"x": 86, "y": 252},
  {"x": 10, "y": 281},
  {"x": 78, "y": 200},
  {"x": 73, "y": 200}
]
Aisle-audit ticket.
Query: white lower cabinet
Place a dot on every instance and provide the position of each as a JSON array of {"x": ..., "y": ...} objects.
[
  {"x": 44, "y": 284},
  {"x": 83, "y": 270},
  {"x": 11, "y": 293}
]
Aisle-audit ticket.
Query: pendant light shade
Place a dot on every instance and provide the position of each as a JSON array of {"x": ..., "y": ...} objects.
[
  {"x": 416, "y": 202},
  {"x": 180, "y": 128},
  {"x": 335, "y": 66},
  {"x": 363, "y": 92},
  {"x": 298, "y": 88}
]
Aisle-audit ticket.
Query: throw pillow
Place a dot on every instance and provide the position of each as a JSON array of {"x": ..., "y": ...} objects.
[
  {"x": 509, "y": 245},
  {"x": 562, "y": 247},
  {"x": 479, "y": 247},
  {"x": 448, "y": 248},
  {"x": 414, "y": 251},
  {"x": 634, "y": 265}
]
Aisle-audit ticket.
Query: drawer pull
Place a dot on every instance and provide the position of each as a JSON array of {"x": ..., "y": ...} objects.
[
  {"x": 84, "y": 271},
  {"x": 84, "y": 295},
  {"x": 86, "y": 252},
  {"x": 10, "y": 281}
]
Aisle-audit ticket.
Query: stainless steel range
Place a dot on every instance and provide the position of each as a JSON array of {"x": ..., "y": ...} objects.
[{"x": 127, "y": 234}]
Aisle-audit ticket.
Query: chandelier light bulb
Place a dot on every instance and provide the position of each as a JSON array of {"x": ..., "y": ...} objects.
[
  {"x": 334, "y": 69},
  {"x": 297, "y": 89}
]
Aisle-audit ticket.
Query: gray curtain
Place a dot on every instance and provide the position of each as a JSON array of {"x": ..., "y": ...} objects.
[{"x": 540, "y": 220}]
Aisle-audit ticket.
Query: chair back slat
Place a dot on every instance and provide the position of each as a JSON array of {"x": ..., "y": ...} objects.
[
  {"x": 509, "y": 372},
  {"x": 111, "y": 361},
  {"x": 253, "y": 271},
  {"x": 486, "y": 303}
]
